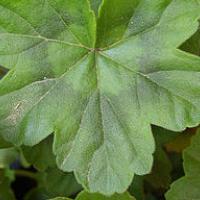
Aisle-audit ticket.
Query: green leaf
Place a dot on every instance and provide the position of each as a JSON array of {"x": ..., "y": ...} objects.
[
  {"x": 179, "y": 143},
  {"x": 188, "y": 187},
  {"x": 98, "y": 88},
  {"x": 146, "y": 16},
  {"x": 88, "y": 196},
  {"x": 160, "y": 176},
  {"x": 5, "y": 190},
  {"x": 60, "y": 198},
  {"x": 111, "y": 26},
  {"x": 137, "y": 187},
  {"x": 193, "y": 44},
  {"x": 51, "y": 183},
  {"x": 4, "y": 144},
  {"x": 36, "y": 194},
  {"x": 67, "y": 183},
  {"x": 7, "y": 156},
  {"x": 41, "y": 155}
]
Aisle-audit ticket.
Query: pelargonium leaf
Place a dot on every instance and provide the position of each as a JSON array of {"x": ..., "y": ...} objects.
[
  {"x": 160, "y": 177},
  {"x": 5, "y": 185},
  {"x": 36, "y": 194},
  {"x": 112, "y": 30},
  {"x": 97, "y": 84},
  {"x": 47, "y": 182},
  {"x": 60, "y": 198},
  {"x": 41, "y": 155},
  {"x": 4, "y": 144},
  {"x": 192, "y": 45},
  {"x": 188, "y": 186},
  {"x": 8, "y": 156},
  {"x": 88, "y": 196},
  {"x": 66, "y": 181}
]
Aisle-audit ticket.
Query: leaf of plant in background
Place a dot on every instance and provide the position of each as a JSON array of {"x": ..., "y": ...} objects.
[
  {"x": 3, "y": 71},
  {"x": 41, "y": 155},
  {"x": 158, "y": 181},
  {"x": 4, "y": 144},
  {"x": 193, "y": 44},
  {"x": 188, "y": 187},
  {"x": 6, "y": 177},
  {"x": 160, "y": 176},
  {"x": 61, "y": 198},
  {"x": 52, "y": 183},
  {"x": 8, "y": 156},
  {"x": 180, "y": 142},
  {"x": 98, "y": 83},
  {"x": 37, "y": 194},
  {"x": 87, "y": 196},
  {"x": 66, "y": 181},
  {"x": 137, "y": 187}
]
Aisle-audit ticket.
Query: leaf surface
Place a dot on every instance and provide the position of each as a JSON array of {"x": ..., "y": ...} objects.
[{"x": 98, "y": 86}]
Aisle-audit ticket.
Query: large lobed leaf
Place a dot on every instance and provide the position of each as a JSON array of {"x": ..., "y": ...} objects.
[
  {"x": 188, "y": 186},
  {"x": 98, "y": 83}
]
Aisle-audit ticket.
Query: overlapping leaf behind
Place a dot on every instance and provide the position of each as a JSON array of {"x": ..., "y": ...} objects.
[{"x": 188, "y": 187}]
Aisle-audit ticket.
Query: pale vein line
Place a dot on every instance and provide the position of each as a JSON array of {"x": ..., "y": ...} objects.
[
  {"x": 45, "y": 39},
  {"x": 61, "y": 18},
  {"x": 114, "y": 61},
  {"x": 169, "y": 91},
  {"x": 17, "y": 14},
  {"x": 78, "y": 129},
  {"x": 148, "y": 78},
  {"x": 152, "y": 28}
]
